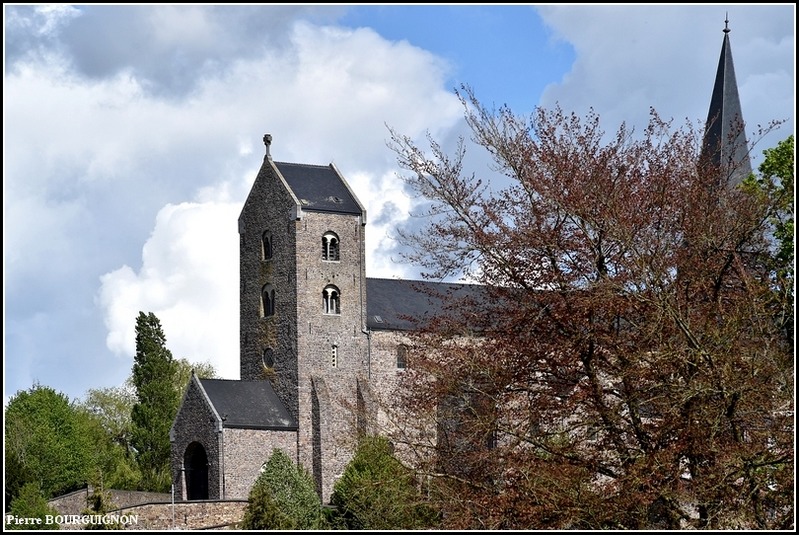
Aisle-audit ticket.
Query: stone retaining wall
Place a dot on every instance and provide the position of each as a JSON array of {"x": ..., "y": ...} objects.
[
  {"x": 76, "y": 502},
  {"x": 212, "y": 514}
]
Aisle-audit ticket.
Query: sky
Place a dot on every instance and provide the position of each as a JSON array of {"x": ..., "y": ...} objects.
[{"x": 133, "y": 133}]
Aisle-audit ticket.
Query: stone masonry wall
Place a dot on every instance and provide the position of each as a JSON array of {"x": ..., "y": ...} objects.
[
  {"x": 388, "y": 416},
  {"x": 245, "y": 451},
  {"x": 76, "y": 502},
  {"x": 72, "y": 503},
  {"x": 331, "y": 347},
  {"x": 186, "y": 515},
  {"x": 269, "y": 208},
  {"x": 301, "y": 335}
]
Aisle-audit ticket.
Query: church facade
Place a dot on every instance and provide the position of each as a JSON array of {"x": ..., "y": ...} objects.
[{"x": 318, "y": 339}]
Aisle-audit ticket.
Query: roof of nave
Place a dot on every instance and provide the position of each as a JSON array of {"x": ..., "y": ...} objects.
[{"x": 407, "y": 305}]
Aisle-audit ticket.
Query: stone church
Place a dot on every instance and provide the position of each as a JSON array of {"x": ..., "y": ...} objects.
[
  {"x": 318, "y": 337},
  {"x": 313, "y": 346}
]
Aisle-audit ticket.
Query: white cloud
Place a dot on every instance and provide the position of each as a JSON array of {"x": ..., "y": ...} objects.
[
  {"x": 670, "y": 64},
  {"x": 43, "y": 20},
  {"x": 109, "y": 133},
  {"x": 109, "y": 138},
  {"x": 189, "y": 279},
  {"x": 332, "y": 81},
  {"x": 387, "y": 206}
]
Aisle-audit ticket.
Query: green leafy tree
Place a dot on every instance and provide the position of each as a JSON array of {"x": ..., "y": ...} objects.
[
  {"x": 775, "y": 186},
  {"x": 115, "y": 465},
  {"x": 183, "y": 369},
  {"x": 15, "y": 472},
  {"x": 378, "y": 492},
  {"x": 30, "y": 503},
  {"x": 283, "y": 497},
  {"x": 47, "y": 442},
  {"x": 156, "y": 404},
  {"x": 112, "y": 407},
  {"x": 109, "y": 413}
]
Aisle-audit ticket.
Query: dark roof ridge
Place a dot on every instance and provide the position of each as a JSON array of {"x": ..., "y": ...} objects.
[
  {"x": 303, "y": 164},
  {"x": 408, "y": 305},
  {"x": 427, "y": 281},
  {"x": 230, "y": 380}
]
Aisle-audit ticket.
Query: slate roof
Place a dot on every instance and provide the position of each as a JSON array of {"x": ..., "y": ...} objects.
[
  {"x": 248, "y": 404},
  {"x": 405, "y": 305},
  {"x": 319, "y": 188},
  {"x": 725, "y": 137}
]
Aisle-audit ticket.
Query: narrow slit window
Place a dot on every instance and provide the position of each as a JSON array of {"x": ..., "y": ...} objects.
[
  {"x": 334, "y": 356},
  {"x": 266, "y": 246},
  {"x": 267, "y": 301},
  {"x": 402, "y": 357}
]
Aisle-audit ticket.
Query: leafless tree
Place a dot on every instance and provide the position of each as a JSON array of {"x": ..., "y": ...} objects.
[{"x": 622, "y": 367}]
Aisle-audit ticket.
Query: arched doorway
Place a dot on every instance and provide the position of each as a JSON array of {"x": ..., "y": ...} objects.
[{"x": 195, "y": 466}]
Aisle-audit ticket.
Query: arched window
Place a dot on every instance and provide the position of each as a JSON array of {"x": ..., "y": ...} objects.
[
  {"x": 331, "y": 300},
  {"x": 267, "y": 301},
  {"x": 266, "y": 246},
  {"x": 269, "y": 357},
  {"x": 402, "y": 356},
  {"x": 330, "y": 247}
]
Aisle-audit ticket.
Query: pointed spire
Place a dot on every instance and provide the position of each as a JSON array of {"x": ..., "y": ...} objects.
[{"x": 725, "y": 138}]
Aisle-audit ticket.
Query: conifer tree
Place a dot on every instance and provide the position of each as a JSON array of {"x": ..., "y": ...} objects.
[
  {"x": 283, "y": 497},
  {"x": 376, "y": 491},
  {"x": 31, "y": 504},
  {"x": 157, "y": 401}
]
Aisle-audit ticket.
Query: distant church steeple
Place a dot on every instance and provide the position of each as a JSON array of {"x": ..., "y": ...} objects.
[{"x": 725, "y": 142}]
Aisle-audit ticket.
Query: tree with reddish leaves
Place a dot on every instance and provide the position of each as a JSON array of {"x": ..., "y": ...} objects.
[{"x": 622, "y": 367}]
